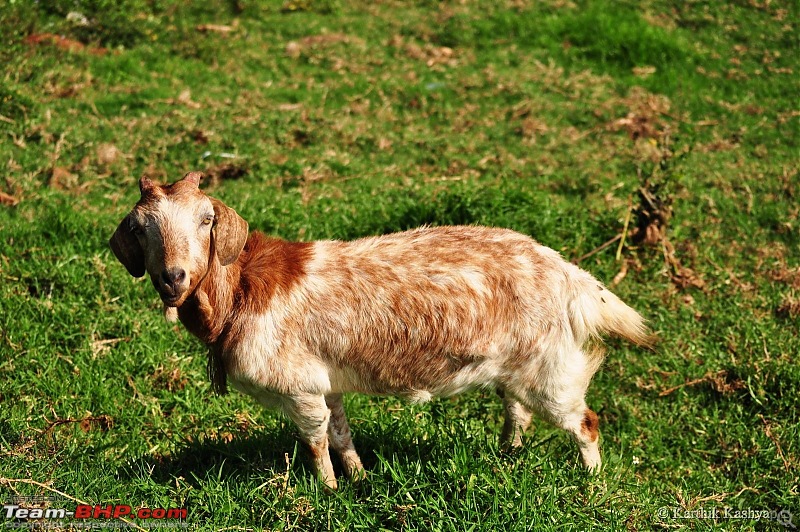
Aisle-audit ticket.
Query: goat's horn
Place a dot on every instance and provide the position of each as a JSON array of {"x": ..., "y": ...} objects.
[
  {"x": 145, "y": 183},
  {"x": 194, "y": 178}
]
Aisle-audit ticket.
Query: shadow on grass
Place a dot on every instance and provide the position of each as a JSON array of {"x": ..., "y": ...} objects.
[
  {"x": 222, "y": 457},
  {"x": 243, "y": 455}
]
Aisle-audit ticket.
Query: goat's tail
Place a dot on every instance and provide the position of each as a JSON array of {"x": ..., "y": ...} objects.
[{"x": 595, "y": 310}]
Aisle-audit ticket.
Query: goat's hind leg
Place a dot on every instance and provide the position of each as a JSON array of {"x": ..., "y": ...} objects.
[
  {"x": 560, "y": 399},
  {"x": 341, "y": 439},
  {"x": 580, "y": 421},
  {"x": 587, "y": 437}
]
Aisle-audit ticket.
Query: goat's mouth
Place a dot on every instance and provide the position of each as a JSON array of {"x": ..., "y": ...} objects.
[
  {"x": 170, "y": 300},
  {"x": 171, "y": 296}
]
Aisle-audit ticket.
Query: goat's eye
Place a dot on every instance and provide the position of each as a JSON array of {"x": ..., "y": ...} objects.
[{"x": 208, "y": 219}]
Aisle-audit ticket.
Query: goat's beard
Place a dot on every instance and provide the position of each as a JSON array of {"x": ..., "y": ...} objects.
[{"x": 170, "y": 314}]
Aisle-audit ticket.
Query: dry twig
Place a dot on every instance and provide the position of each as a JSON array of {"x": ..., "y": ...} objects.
[{"x": 596, "y": 250}]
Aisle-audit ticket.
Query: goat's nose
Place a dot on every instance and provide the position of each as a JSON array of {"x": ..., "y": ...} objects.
[{"x": 173, "y": 277}]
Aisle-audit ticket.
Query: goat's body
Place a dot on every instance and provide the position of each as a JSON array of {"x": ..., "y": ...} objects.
[{"x": 423, "y": 313}]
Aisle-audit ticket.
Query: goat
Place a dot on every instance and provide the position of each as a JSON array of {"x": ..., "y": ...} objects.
[{"x": 428, "y": 312}]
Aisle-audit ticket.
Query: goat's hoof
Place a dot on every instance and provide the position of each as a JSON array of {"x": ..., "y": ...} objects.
[
  {"x": 510, "y": 448},
  {"x": 592, "y": 468},
  {"x": 357, "y": 474},
  {"x": 330, "y": 485},
  {"x": 353, "y": 468}
]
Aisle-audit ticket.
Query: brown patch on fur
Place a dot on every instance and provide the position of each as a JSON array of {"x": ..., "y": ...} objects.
[
  {"x": 590, "y": 426},
  {"x": 214, "y": 312},
  {"x": 269, "y": 265}
]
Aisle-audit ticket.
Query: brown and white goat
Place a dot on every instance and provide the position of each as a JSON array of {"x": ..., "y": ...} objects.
[{"x": 423, "y": 313}]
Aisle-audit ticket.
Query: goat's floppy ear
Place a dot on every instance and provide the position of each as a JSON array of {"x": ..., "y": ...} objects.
[
  {"x": 230, "y": 232},
  {"x": 127, "y": 249}
]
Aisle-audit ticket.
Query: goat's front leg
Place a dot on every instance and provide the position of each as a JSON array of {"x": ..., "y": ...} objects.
[
  {"x": 311, "y": 415},
  {"x": 341, "y": 441}
]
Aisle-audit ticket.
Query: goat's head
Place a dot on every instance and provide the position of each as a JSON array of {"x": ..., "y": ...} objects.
[{"x": 174, "y": 233}]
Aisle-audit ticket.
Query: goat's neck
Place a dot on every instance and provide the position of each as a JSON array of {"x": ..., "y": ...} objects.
[
  {"x": 205, "y": 313},
  {"x": 266, "y": 266}
]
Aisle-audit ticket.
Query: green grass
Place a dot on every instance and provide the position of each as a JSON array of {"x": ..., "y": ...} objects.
[{"x": 546, "y": 118}]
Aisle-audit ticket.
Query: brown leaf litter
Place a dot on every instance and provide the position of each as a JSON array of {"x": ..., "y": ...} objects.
[
  {"x": 652, "y": 214},
  {"x": 171, "y": 380},
  {"x": 432, "y": 55},
  {"x": 63, "y": 43},
  {"x": 645, "y": 117},
  {"x": 223, "y": 29},
  {"x": 225, "y": 171},
  {"x": 294, "y": 49},
  {"x": 789, "y": 308},
  {"x": 719, "y": 381},
  {"x": 104, "y": 422},
  {"x": 8, "y": 199},
  {"x": 107, "y": 154},
  {"x": 62, "y": 179}
]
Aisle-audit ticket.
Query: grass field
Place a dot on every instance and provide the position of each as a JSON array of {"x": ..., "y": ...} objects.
[{"x": 330, "y": 119}]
